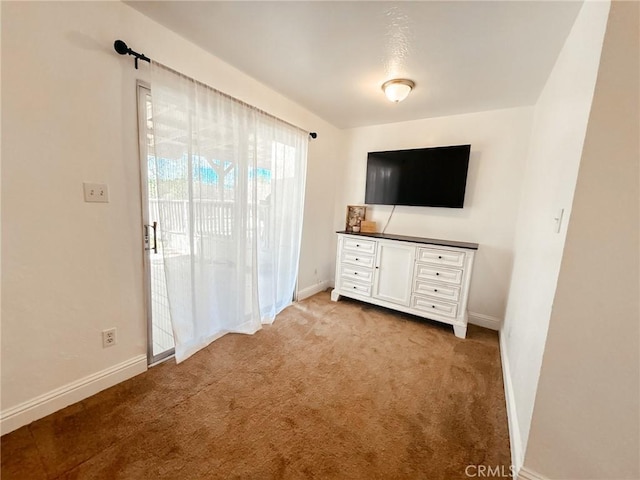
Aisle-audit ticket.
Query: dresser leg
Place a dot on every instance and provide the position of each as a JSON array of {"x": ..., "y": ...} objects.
[
  {"x": 335, "y": 296},
  {"x": 460, "y": 332}
]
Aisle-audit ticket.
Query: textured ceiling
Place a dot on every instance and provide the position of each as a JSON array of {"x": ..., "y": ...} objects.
[{"x": 332, "y": 57}]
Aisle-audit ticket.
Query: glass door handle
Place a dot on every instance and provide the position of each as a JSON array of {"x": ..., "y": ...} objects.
[{"x": 153, "y": 227}]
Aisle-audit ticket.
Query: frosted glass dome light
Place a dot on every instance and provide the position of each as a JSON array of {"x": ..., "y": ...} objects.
[{"x": 398, "y": 89}]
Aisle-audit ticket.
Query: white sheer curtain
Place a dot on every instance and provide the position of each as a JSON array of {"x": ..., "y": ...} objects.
[{"x": 230, "y": 182}]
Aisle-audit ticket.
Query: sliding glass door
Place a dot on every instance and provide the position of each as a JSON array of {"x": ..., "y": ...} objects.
[
  {"x": 158, "y": 241},
  {"x": 223, "y": 195}
]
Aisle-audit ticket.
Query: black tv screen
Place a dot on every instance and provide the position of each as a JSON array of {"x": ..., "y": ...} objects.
[{"x": 428, "y": 177}]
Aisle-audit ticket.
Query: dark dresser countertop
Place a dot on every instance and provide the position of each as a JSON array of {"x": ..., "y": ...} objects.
[{"x": 405, "y": 238}]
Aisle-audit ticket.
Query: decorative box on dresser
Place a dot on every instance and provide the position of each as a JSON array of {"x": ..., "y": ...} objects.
[{"x": 421, "y": 276}]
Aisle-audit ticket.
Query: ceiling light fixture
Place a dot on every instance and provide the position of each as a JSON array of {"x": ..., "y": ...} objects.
[{"x": 397, "y": 89}]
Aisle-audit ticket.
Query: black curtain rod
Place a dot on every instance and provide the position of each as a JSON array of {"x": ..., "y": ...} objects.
[{"x": 123, "y": 49}]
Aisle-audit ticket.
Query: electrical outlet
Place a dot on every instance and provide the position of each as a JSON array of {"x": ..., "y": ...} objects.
[
  {"x": 96, "y": 192},
  {"x": 108, "y": 338}
]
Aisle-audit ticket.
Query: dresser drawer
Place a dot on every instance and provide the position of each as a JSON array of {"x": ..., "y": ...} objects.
[
  {"x": 444, "y": 292},
  {"x": 353, "y": 244},
  {"x": 358, "y": 274},
  {"x": 439, "y": 274},
  {"x": 360, "y": 289},
  {"x": 429, "y": 305},
  {"x": 448, "y": 258},
  {"x": 357, "y": 259}
]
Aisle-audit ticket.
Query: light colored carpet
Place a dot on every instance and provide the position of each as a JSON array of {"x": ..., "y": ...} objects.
[{"x": 330, "y": 391}]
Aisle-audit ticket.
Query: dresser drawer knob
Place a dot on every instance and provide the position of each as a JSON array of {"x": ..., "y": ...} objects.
[
  {"x": 355, "y": 273},
  {"x": 356, "y": 259},
  {"x": 433, "y": 306},
  {"x": 435, "y": 289},
  {"x": 437, "y": 273},
  {"x": 357, "y": 244},
  {"x": 355, "y": 287},
  {"x": 439, "y": 256}
]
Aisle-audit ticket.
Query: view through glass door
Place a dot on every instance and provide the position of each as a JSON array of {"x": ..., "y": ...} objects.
[{"x": 160, "y": 333}]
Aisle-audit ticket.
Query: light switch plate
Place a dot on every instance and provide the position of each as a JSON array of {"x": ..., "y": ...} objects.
[
  {"x": 96, "y": 192},
  {"x": 558, "y": 220}
]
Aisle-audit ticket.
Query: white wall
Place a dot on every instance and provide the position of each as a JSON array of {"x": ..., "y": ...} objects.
[
  {"x": 71, "y": 269},
  {"x": 317, "y": 263},
  {"x": 499, "y": 141},
  {"x": 586, "y": 420},
  {"x": 559, "y": 127}
]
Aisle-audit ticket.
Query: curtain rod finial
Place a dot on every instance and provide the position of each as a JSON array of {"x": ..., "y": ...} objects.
[
  {"x": 120, "y": 47},
  {"x": 123, "y": 49},
  {"x": 313, "y": 134}
]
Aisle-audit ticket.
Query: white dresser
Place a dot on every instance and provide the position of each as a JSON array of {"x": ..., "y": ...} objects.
[{"x": 422, "y": 276}]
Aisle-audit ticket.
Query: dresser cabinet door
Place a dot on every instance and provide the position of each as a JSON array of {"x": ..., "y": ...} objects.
[{"x": 394, "y": 272}]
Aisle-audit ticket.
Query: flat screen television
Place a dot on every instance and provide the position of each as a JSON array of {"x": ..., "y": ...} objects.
[{"x": 425, "y": 177}]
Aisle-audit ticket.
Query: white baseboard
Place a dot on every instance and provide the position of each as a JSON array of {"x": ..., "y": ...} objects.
[
  {"x": 517, "y": 455},
  {"x": 313, "y": 289},
  {"x": 485, "y": 321},
  {"x": 43, "y": 405},
  {"x": 526, "y": 474}
]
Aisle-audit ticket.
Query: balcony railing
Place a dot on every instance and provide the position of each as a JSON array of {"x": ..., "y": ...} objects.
[{"x": 210, "y": 221}]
